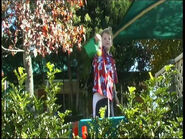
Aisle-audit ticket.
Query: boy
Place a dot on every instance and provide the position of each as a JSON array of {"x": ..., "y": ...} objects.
[{"x": 105, "y": 75}]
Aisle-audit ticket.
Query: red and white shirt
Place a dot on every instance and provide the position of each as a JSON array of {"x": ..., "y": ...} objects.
[{"x": 105, "y": 75}]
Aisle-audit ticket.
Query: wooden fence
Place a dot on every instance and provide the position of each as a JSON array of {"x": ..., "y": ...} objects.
[{"x": 178, "y": 79}]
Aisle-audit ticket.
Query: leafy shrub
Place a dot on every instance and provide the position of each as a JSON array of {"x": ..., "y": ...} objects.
[
  {"x": 101, "y": 127},
  {"x": 154, "y": 116},
  {"x": 24, "y": 116}
]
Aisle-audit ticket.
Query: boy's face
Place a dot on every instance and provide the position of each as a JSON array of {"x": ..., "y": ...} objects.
[{"x": 106, "y": 41}]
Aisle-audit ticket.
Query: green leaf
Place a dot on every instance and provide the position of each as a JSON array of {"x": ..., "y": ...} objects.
[
  {"x": 168, "y": 67},
  {"x": 21, "y": 70},
  {"x": 102, "y": 111},
  {"x": 50, "y": 66},
  {"x": 135, "y": 110},
  {"x": 131, "y": 89},
  {"x": 3, "y": 84},
  {"x": 87, "y": 18},
  {"x": 61, "y": 115},
  {"x": 24, "y": 135},
  {"x": 57, "y": 71},
  {"x": 151, "y": 77},
  {"x": 180, "y": 119},
  {"x": 107, "y": 18}
]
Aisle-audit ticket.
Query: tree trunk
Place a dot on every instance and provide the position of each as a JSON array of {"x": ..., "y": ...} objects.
[
  {"x": 28, "y": 67},
  {"x": 77, "y": 91},
  {"x": 121, "y": 96},
  {"x": 70, "y": 80}
]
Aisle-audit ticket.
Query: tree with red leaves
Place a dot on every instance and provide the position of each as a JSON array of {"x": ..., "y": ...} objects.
[{"x": 40, "y": 27}]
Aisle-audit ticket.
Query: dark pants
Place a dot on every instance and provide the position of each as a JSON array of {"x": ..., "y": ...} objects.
[{"x": 102, "y": 103}]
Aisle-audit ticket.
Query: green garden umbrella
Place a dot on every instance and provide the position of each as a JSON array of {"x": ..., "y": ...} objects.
[
  {"x": 151, "y": 19},
  {"x": 148, "y": 19}
]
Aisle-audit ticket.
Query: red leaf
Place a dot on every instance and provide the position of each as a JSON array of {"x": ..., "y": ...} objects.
[
  {"x": 69, "y": 51},
  {"x": 81, "y": 3},
  {"x": 80, "y": 40},
  {"x": 26, "y": 28},
  {"x": 68, "y": 17},
  {"x": 45, "y": 34},
  {"x": 45, "y": 28}
]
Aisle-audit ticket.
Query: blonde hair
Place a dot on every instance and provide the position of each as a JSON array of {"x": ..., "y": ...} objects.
[{"x": 107, "y": 31}]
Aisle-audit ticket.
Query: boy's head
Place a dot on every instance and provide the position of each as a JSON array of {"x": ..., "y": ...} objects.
[{"x": 107, "y": 38}]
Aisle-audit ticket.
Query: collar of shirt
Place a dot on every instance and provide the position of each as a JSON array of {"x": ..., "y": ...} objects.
[{"x": 104, "y": 51}]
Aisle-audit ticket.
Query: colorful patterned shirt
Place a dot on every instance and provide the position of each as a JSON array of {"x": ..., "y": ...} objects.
[{"x": 105, "y": 75}]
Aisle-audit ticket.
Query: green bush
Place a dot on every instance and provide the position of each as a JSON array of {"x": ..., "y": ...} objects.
[
  {"x": 24, "y": 116},
  {"x": 102, "y": 127},
  {"x": 155, "y": 115}
]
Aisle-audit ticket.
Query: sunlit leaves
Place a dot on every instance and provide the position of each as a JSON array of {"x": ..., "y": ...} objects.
[
  {"x": 47, "y": 25},
  {"x": 102, "y": 111},
  {"x": 3, "y": 83},
  {"x": 151, "y": 77},
  {"x": 157, "y": 115},
  {"x": 21, "y": 76},
  {"x": 25, "y": 116},
  {"x": 131, "y": 89},
  {"x": 162, "y": 51},
  {"x": 87, "y": 18},
  {"x": 169, "y": 67}
]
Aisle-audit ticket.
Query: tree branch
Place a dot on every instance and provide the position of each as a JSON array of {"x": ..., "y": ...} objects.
[
  {"x": 138, "y": 16},
  {"x": 12, "y": 50}
]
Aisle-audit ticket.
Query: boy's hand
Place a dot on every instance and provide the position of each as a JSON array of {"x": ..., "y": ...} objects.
[{"x": 97, "y": 38}]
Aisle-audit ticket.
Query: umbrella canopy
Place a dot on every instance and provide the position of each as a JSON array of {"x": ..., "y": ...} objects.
[{"x": 151, "y": 19}]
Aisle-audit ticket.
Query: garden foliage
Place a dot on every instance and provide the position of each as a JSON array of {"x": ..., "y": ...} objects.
[
  {"x": 152, "y": 114},
  {"x": 25, "y": 116}
]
